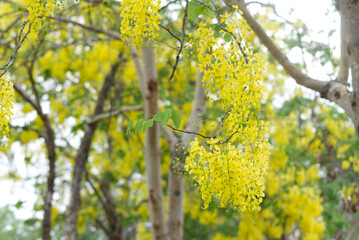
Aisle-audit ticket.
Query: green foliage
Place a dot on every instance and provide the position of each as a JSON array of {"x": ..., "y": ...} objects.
[
  {"x": 310, "y": 138},
  {"x": 160, "y": 117},
  {"x": 196, "y": 9}
]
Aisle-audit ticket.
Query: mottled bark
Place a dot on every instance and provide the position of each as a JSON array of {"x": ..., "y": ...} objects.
[
  {"x": 344, "y": 64},
  {"x": 82, "y": 156},
  {"x": 152, "y": 148},
  {"x": 175, "y": 179},
  {"x": 148, "y": 83},
  {"x": 349, "y": 11}
]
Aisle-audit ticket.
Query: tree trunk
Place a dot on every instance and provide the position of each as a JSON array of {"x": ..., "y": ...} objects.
[
  {"x": 49, "y": 137},
  {"x": 176, "y": 181},
  {"x": 50, "y": 146},
  {"x": 349, "y": 11},
  {"x": 152, "y": 148},
  {"x": 115, "y": 230},
  {"x": 82, "y": 156}
]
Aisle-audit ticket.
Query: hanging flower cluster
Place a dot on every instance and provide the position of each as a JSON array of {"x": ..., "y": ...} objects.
[
  {"x": 39, "y": 10},
  {"x": 231, "y": 168},
  {"x": 140, "y": 19},
  {"x": 7, "y": 98}
]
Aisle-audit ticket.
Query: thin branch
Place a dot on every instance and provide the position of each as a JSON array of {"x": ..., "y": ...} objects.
[
  {"x": 182, "y": 39},
  {"x": 31, "y": 76},
  {"x": 229, "y": 138},
  {"x": 100, "y": 224},
  {"x": 188, "y": 132},
  {"x": 171, "y": 33},
  {"x": 19, "y": 42},
  {"x": 222, "y": 119},
  {"x": 29, "y": 100},
  {"x": 272, "y": 6},
  {"x": 219, "y": 23},
  {"x": 166, "y": 6},
  {"x": 113, "y": 113},
  {"x": 6, "y": 30},
  {"x": 97, "y": 193},
  {"x": 114, "y": 35},
  {"x": 291, "y": 69}
]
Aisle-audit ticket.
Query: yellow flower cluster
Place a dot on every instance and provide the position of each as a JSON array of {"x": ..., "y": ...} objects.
[
  {"x": 301, "y": 209},
  {"x": 352, "y": 160},
  {"x": 39, "y": 10},
  {"x": 304, "y": 205},
  {"x": 255, "y": 226},
  {"x": 7, "y": 97},
  {"x": 232, "y": 167},
  {"x": 140, "y": 19}
]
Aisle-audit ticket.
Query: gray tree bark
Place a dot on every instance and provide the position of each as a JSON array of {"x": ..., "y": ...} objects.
[
  {"x": 175, "y": 179},
  {"x": 148, "y": 82},
  {"x": 82, "y": 156}
]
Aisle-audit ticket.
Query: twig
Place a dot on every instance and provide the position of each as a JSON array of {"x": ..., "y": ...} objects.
[
  {"x": 189, "y": 132},
  {"x": 19, "y": 42},
  {"x": 222, "y": 119},
  {"x": 229, "y": 138},
  {"x": 169, "y": 31},
  {"x": 166, "y": 6},
  {"x": 115, "y": 112},
  {"x": 6, "y": 30},
  {"x": 28, "y": 98},
  {"x": 182, "y": 39},
  {"x": 224, "y": 29},
  {"x": 30, "y": 70},
  {"x": 269, "y": 5},
  {"x": 97, "y": 193},
  {"x": 114, "y": 35}
]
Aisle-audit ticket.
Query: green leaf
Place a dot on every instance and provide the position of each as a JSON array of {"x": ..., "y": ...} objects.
[
  {"x": 157, "y": 117},
  {"x": 208, "y": 14},
  {"x": 109, "y": 176},
  {"x": 19, "y": 204},
  {"x": 195, "y": 9},
  {"x": 176, "y": 118},
  {"x": 147, "y": 124},
  {"x": 31, "y": 221},
  {"x": 138, "y": 126},
  {"x": 129, "y": 128},
  {"x": 166, "y": 117},
  {"x": 227, "y": 37}
]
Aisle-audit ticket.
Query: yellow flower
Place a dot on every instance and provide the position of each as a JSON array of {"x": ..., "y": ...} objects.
[
  {"x": 234, "y": 167},
  {"x": 345, "y": 164},
  {"x": 140, "y": 19},
  {"x": 7, "y": 97}
]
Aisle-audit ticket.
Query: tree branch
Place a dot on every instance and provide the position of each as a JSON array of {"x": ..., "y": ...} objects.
[
  {"x": 82, "y": 156},
  {"x": 219, "y": 24},
  {"x": 292, "y": 70},
  {"x": 188, "y": 132},
  {"x": 113, "y": 113},
  {"x": 27, "y": 98},
  {"x": 114, "y": 35},
  {"x": 19, "y": 42},
  {"x": 222, "y": 119},
  {"x": 182, "y": 39}
]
